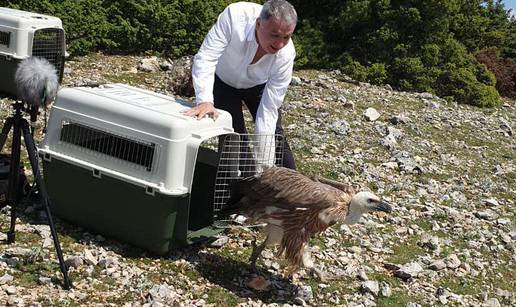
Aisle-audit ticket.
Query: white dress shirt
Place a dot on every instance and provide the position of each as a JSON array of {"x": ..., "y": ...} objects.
[{"x": 228, "y": 51}]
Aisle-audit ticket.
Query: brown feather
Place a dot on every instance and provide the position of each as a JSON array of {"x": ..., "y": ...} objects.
[
  {"x": 295, "y": 202},
  {"x": 284, "y": 187}
]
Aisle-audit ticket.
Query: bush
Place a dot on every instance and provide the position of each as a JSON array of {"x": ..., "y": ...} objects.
[
  {"x": 504, "y": 69},
  {"x": 310, "y": 43},
  {"x": 174, "y": 27},
  {"x": 376, "y": 73},
  {"x": 405, "y": 71},
  {"x": 420, "y": 44},
  {"x": 355, "y": 70},
  {"x": 462, "y": 84}
]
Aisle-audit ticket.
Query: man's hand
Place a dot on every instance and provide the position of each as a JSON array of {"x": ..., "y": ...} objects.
[{"x": 202, "y": 109}]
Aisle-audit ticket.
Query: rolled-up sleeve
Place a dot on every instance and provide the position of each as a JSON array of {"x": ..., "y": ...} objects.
[
  {"x": 205, "y": 61},
  {"x": 273, "y": 95}
]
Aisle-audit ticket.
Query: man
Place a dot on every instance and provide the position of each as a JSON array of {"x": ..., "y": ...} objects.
[{"x": 247, "y": 56}]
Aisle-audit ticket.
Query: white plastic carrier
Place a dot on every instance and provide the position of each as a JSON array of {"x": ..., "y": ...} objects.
[
  {"x": 17, "y": 30},
  {"x": 130, "y": 134}
]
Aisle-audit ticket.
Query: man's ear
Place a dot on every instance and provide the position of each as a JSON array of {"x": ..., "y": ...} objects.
[{"x": 258, "y": 23}]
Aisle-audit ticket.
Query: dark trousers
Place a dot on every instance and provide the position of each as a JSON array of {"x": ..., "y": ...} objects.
[{"x": 230, "y": 99}]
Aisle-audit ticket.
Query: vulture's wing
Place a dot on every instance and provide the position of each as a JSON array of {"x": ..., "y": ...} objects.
[
  {"x": 287, "y": 189},
  {"x": 346, "y": 188}
]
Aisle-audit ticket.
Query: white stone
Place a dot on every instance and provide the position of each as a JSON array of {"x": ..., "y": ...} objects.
[
  {"x": 5, "y": 279},
  {"x": 89, "y": 257},
  {"x": 10, "y": 290},
  {"x": 220, "y": 241},
  {"x": 371, "y": 114},
  {"x": 438, "y": 265},
  {"x": 492, "y": 302},
  {"x": 452, "y": 261},
  {"x": 295, "y": 81},
  {"x": 385, "y": 289},
  {"x": 371, "y": 286},
  {"x": 413, "y": 269}
]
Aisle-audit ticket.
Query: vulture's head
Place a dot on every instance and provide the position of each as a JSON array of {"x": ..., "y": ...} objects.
[{"x": 364, "y": 202}]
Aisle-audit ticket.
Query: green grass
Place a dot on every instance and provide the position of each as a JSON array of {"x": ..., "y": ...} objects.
[
  {"x": 461, "y": 285},
  {"x": 222, "y": 297},
  {"x": 341, "y": 287},
  {"x": 27, "y": 238},
  {"x": 406, "y": 251},
  {"x": 28, "y": 274},
  {"x": 398, "y": 297}
]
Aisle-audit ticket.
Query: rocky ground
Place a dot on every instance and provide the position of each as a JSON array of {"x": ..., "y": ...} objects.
[{"x": 448, "y": 169}]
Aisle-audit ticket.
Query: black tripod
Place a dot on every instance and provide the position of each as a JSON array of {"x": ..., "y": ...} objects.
[{"x": 20, "y": 125}]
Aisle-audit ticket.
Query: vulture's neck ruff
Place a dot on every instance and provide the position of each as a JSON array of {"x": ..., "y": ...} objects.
[{"x": 353, "y": 216}]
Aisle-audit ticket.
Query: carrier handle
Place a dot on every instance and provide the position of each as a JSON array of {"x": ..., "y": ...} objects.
[
  {"x": 96, "y": 173},
  {"x": 150, "y": 191},
  {"x": 47, "y": 157}
]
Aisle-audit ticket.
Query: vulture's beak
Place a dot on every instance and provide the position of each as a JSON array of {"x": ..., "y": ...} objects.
[{"x": 383, "y": 206}]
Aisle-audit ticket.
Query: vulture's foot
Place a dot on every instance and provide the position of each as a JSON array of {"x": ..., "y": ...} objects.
[
  {"x": 257, "y": 250},
  {"x": 292, "y": 274}
]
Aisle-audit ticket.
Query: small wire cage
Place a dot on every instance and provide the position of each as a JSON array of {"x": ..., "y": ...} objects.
[{"x": 241, "y": 156}]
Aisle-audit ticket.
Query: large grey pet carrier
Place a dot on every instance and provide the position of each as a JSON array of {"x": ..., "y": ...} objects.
[{"x": 126, "y": 163}]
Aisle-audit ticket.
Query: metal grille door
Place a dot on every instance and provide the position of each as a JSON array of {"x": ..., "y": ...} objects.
[
  {"x": 241, "y": 156},
  {"x": 49, "y": 44}
]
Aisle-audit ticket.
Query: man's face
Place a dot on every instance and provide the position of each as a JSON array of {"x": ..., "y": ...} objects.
[{"x": 273, "y": 34}]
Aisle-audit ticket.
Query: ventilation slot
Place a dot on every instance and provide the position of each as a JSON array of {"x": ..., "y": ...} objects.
[
  {"x": 49, "y": 44},
  {"x": 5, "y": 38},
  {"x": 123, "y": 148}
]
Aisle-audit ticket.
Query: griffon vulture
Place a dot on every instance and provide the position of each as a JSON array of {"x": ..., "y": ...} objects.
[{"x": 295, "y": 208}]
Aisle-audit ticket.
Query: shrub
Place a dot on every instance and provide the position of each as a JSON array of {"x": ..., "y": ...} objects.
[
  {"x": 310, "y": 45},
  {"x": 411, "y": 74},
  {"x": 376, "y": 73},
  {"x": 420, "y": 44},
  {"x": 504, "y": 69},
  {"x": 355, "y": 70},
  {"x": 462, "y": 84},
  {"x": 174, "y": 27}
]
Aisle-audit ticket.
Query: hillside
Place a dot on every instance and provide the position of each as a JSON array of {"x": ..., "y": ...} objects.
[{"x": 448, "y": 169}]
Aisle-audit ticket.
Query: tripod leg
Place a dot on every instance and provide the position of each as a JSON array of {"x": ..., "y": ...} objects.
[
  {"x": 5, "y": 131},
  {"x": 33, "y": 157},
  {"x": 12, "y": 186}
]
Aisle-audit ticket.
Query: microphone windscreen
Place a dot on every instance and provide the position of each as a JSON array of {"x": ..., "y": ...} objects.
[{"x": 36, "y": 81}]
